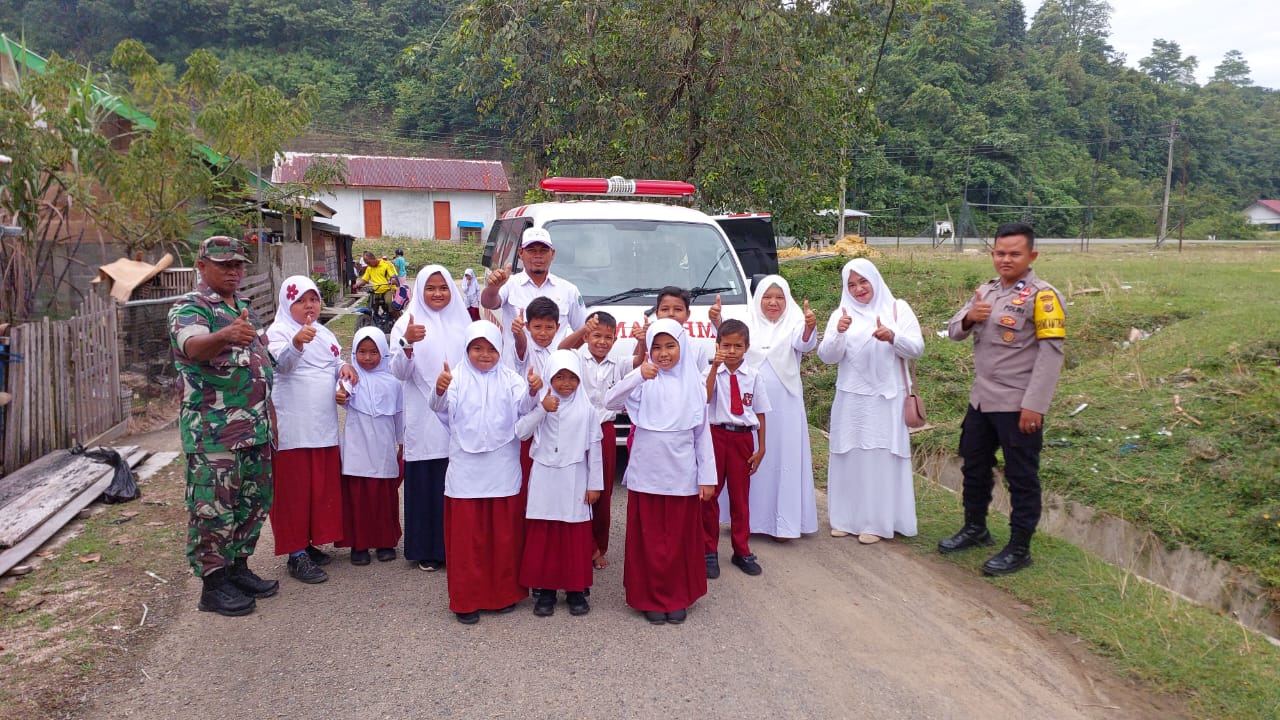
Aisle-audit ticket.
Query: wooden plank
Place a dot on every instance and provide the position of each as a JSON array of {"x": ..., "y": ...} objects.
[
  {"x": 26, "y": 513},
  {"x": 47, "y": 529}
]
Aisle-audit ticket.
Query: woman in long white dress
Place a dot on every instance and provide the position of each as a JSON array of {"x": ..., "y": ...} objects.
[
  {"x": 782, "y": 498},
  {"x": 870, "y": 336}
]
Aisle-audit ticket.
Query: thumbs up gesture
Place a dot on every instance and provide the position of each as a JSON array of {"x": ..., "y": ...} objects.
[
  {"x": 443, "y": 380},
  {"x": 714, "y": 313},
  {"x": 550, "y": 402},
  {"x": 535, "y": 383},
  {"x": 845, "y": 321},
  {"x": 881, "y": 332},
  {"x": 413, "y": 332},
  {"x": 241, "y": 331},
  {"x": 305, "y": 334},
  {"x": 810, "y": 319},
  {"x": 981, "y": 309},
  {"x": 648, "y": 370},
  {"x": 517, "y": 325}
]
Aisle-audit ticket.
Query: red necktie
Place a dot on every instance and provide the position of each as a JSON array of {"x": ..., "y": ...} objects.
[{"x": 735, "y": 395}]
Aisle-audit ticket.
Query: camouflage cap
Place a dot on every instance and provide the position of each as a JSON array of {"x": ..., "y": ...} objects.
[{"x": 221, "y": 248}]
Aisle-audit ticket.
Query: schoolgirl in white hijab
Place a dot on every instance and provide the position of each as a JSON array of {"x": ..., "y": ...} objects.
[
  {"x": 783, "y": 503},
  {"x": 480, "y": 407},
  {"x": 306, "y": 414},
  {"x": 441, "y": 315},
  {"x": 869, "y": 486},
  {"x": 566, "y": 448},
  {"x": 672, "y": 465},
  {"x": 374, "y": 418}
]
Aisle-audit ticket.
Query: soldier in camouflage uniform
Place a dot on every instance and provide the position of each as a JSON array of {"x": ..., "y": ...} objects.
[{"x": 220, "y": 350}]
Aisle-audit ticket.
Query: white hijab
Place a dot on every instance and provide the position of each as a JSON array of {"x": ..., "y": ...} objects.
[
  {"x": 324, "y": 347},
  {"x": 484, "y": 415},
  {"x": 772, "y": 341},
  {"x": 563, "y": 436},
  {"x": 445, "y": 330},
  {"x": 677, "y": 398},
  {"x": 378, "y": 392},
  {"x": 869, "y": 364},
  {"x": 470, "y": 287}
]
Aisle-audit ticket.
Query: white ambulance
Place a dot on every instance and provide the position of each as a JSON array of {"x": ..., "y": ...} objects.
[{"x": 620, "y": 253}]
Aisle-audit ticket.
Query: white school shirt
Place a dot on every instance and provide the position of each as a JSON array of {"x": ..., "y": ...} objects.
[
  {"x": 537, "y": 355},
  {"x": 303, "y": 395},
  {"x": 662, "y": 462},
  {"x": 485, "y": 474},
  {"x": 425, "y": 437},
  {"x": 755, "y": 401},
  {"x": 369, "y": 444},
  {"x": 599, "y": 377},
  {"x": 559, "y": 493},
  {"x": 518, "y": 291}
]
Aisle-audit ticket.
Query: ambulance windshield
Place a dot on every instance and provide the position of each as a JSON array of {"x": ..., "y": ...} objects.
[{"x": 608, "y": 257}]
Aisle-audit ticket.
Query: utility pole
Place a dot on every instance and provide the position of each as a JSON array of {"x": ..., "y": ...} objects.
[
  {"x": 840, "y": 208},
  {"x": 1168, "y": 181}
]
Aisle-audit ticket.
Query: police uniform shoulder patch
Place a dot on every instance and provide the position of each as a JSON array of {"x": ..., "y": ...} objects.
[{"x": 1051, "y": 320}]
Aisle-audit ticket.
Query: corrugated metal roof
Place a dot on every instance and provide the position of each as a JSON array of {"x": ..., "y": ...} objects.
[
  {"x": 1273, "y": 205},
  {"x": 414, "y": 173}
]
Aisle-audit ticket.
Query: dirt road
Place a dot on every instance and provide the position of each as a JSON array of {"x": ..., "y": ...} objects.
[{"x": 832, "y": 629}]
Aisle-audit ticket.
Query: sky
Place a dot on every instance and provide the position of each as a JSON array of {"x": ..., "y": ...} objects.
[{"x": 1204, "y": 28}]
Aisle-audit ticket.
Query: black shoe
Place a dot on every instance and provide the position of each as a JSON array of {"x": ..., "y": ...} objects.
[
  {"x": 318, "y": 556},
  {"x": 248, "y": 582},
  {"x": 655, "y": 618},
  {"x": 578, "y": 604},
  {"x": 359, "y": 557},
  {"x": 430, "y": 565},
  {"x": 221, "y": 596},
  {"x": 470, "y": 618},
  {"x": 970, "y": 536},
  {"x": 677, "y": 617},
  {"x": 386, "y": 554},
  {"x": 713, "y": 566},
  {"x": 1008, "y": 561},
  {"x": 507, "y": 609},
  {"x": 747, "y": 563},
  {"x": 303, "y": 568},
  {"x": 545, "y": 604}
]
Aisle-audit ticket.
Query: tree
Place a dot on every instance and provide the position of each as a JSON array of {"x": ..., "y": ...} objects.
[
  {"x": 1233, "y": 69},
  {"x": 712, "y": 92},
  {"x": 1166, "y": 65},
  {"x": 1072, "y": 25}
]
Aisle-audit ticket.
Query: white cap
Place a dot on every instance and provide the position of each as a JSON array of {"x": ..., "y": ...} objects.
[{"x": 536, "y": 235}]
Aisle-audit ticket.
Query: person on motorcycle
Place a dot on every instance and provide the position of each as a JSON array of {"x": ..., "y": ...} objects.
[{"x": 382, "y": 276}]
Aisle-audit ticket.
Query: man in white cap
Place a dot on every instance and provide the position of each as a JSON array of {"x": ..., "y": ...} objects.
[{"x": 513, "y": 293}]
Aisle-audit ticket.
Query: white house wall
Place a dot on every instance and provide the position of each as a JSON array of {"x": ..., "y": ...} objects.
[
  {"x": 1260, "y": 214},
  {"x": 410, "y": 213}
]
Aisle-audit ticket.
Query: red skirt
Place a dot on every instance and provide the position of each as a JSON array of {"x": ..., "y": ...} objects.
[
  {"x": 372, "y": 517},
  {"x": 557, "y": 555},
  {"x": 483, "y": 539},
  {"x": 600, "y": 510},
  {"x": 663, "y": 568},
  {"x": 526, "y": 466},
  {"x": 307, "y": 509}
]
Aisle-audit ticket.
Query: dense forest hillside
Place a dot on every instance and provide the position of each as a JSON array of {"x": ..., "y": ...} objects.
[{"x": 971, "y": 108}]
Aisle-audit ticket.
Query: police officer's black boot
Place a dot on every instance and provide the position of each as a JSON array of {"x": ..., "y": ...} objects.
[
  {"x": 1015, "y": 556},
  {"x": 220, "y": 596},
  {"x": 248, "y": 581},
  {"x": 973, "y": 534}
]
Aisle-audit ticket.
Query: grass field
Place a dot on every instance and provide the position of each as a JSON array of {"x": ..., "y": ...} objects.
[{"x": 1180, "y": 430}]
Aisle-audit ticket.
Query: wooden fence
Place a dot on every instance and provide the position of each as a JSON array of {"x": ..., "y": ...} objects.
[{"x": 66, "y": 387}]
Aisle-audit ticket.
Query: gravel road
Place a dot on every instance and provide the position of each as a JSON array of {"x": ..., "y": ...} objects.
[{"x": 832, "y": 629}]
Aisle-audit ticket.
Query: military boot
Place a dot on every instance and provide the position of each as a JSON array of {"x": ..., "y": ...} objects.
[
  {"x": 973, "y": 534},
  {"x": 248, "y": 582},
  {"x": 1015, "y": 556},
  {"x": 221, "y": 596}
]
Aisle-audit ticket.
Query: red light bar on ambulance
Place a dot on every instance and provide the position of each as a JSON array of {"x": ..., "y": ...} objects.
[{"x": 617, "y": 186}]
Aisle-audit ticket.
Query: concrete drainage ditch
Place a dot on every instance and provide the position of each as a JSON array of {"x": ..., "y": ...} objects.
[{"x": 1192, "y": 574}]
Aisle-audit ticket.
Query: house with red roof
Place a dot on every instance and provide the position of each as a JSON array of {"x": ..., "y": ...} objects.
[
  {"x": 1265, "y": 213},
  {"x": 428, "y": 198}
]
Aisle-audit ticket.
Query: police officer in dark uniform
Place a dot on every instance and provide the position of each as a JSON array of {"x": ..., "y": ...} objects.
[{"x": 1018, "y": 326}]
